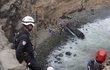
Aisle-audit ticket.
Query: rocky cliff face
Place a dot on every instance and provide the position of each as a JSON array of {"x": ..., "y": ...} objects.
[
  {"x": 11, "y": 12},
  {"x": 57, "y": 8},
  {"x": 44, "y": 12},
  {"x": 7, "y": 55}
]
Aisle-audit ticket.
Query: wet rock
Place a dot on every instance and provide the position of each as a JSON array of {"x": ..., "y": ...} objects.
[
  {"x": 55, "y": 61},
  {"x": 60, "y": 55},
  {"x": 75, "y": 55},
  {"x": 58, "y": 59},
  {"x": 72, "y": 40},
  {"x": 68, "y": 53},
  {"x": 59, "y": 62}
]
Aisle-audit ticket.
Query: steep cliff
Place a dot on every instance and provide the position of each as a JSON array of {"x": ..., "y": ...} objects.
[
  {"x": 57, "y": 8},
  {"x": 45, "y": 12}
]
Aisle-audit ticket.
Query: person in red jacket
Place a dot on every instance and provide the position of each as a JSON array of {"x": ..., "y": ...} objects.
[{"x": 97, "y": 63}]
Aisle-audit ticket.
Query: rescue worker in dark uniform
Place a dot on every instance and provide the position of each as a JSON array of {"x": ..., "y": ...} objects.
[
  {"x": 97, "y": 64},
  {"x": 24, "y": 47}
]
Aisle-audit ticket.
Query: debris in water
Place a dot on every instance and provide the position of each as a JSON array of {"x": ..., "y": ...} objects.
[
  {"x": 68, "y": 53},
  {"x": 55, "y": 61},
  {"x": 75, "y": 55}
]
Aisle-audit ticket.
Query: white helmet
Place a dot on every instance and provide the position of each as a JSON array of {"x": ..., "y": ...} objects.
[
  {"x": 50, "y": 68},
  {"x": 27, "y": 20}
]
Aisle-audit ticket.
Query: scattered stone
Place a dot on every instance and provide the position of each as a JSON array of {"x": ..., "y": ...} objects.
[
  {"x": 58, "y": 59},
  {"x": 50, "y": 61},
  {"x": 55, "y": 61},
  {"x": 68, "y": 53},
  {"x": 72, "y": 40},
  {"x": 59, "y": 62}
]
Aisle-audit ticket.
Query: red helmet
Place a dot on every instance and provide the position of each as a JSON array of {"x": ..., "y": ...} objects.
[{"x": 101, "y": 56}]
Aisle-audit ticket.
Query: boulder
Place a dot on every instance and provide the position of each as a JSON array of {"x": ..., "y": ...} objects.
[
  {"x": 8, "y": 60},
  {"x": 68, "y": 53}
]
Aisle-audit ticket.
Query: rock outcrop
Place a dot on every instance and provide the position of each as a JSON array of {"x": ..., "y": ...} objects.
[
  {"x": 44, "y": 11},
  {"x": 11, "y": 12},
  {"x": 57, "y": 8},
  {"x": 8, "y": 59}
]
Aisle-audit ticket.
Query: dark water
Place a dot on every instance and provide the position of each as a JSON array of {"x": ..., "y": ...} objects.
[{"x": 97, "y": 37}]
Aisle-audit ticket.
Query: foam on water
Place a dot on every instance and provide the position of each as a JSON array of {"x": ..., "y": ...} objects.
[{"x": 96, "y": 37}]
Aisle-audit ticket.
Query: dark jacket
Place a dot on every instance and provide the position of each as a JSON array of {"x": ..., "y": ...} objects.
[
  {"x": 23, "y": 51},
  {"x": 94, "y": 65}
]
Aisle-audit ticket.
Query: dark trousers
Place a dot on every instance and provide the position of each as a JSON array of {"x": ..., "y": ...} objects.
[{"x": 35, "y": 65}]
